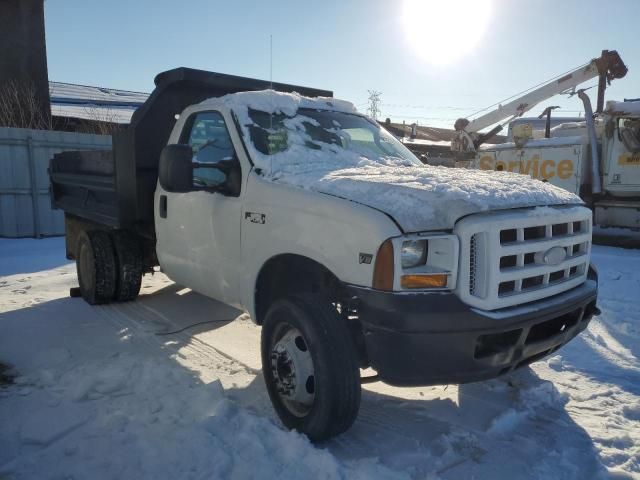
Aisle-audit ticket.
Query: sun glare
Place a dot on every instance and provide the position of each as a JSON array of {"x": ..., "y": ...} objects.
[{"x": 443, "y": 31}]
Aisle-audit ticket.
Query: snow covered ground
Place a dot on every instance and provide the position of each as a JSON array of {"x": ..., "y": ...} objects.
[{"x": 101, "y": 393}]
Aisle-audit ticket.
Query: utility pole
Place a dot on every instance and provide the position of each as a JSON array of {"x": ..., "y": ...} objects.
[
  {"x": 374, "y": 103},
  {"x": 23, "y": 61}
]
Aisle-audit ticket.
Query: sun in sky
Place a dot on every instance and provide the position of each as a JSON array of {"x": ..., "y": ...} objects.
[{"x": 443, "y": 31}]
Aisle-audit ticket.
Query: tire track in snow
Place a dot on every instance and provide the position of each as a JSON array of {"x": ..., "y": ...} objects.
[
  {"x": 144, "y": 322},
  {"x": 191, "y": 342}
]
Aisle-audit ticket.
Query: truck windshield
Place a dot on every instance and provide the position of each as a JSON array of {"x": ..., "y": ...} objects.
[
  {"x": 629, "y": 131},
  {"x": 329, "y": 131}
]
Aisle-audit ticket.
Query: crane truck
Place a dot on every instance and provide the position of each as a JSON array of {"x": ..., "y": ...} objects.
[
  {"x": 345, "y": 248},
  {"x": 597, "y": 158}
]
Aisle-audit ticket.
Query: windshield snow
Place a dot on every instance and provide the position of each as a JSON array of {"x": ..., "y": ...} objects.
[{"x": 337, "y": 137}]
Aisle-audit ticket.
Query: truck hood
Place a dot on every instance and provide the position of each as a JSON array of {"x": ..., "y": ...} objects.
[{"x": 421, "y": 198}]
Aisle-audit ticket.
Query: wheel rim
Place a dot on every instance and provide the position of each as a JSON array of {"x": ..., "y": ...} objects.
[{"x": 292, "y": 371}]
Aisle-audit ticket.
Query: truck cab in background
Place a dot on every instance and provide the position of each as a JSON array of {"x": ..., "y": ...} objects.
[{"x": 538, "y": 125}]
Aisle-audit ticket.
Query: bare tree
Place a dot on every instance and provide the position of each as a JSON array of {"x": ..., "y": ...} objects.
[
  {"x": 100, "y": 121},
  {"x": 374, "y": 103},
  {"x": 20, "y": 108}
]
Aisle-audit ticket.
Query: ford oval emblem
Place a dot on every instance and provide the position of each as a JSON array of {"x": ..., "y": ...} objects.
[{"x": 554, "y": 256}]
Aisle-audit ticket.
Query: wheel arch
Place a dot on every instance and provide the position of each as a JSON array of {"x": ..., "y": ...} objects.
[{"x": 289, "y": 273}]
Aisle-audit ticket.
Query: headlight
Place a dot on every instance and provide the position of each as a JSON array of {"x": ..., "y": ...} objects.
[
  {"x": 413, "y": 253},
  {"x": 417, "y": 261},
  {"x": 428, "y": 261}
]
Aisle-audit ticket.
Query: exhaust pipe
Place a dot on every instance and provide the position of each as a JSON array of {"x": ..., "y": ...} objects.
[{"x": 596, "y": 179}]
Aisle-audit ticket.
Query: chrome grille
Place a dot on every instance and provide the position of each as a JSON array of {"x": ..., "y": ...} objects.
[
  {"x": 473, "y": 244},
  {"x": 515, "y": 257},
  {"x": 528, "y": 261}
]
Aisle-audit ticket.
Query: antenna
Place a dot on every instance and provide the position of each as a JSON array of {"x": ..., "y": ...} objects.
[
  {"x": 271, "y": 80},
  {"x": 271, "y": 96}
]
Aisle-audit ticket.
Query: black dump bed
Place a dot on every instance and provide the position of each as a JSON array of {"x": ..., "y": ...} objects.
[{"x": 116, "y": 188}]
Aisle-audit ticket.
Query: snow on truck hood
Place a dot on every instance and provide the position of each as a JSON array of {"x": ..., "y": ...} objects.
[
  {"x": 431, "y": 198},
  {"x": 419, "y": 197}
]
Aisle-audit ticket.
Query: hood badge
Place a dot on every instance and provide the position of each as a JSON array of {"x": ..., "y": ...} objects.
[
  {"x": 253, "y": 217},
  {"x": 552, "y": 257},
  {"x": 365, "y": 258}
]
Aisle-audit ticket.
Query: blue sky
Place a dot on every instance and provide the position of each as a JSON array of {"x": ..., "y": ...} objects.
[{"x": 348, "y": 47}]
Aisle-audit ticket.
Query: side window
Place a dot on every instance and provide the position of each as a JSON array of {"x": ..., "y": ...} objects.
[{"x": 211, "y": 143}]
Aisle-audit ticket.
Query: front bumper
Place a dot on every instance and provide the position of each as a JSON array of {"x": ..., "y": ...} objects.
[{"x": 434, "y": 338}]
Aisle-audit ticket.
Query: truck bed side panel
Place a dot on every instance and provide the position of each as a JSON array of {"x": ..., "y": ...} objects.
[{"x": 83, "y": 184}]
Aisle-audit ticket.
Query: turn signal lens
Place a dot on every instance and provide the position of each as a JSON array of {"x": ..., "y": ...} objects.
[
  {"x": 432, "y": 280},
  {"x": 383, "y": 268}
]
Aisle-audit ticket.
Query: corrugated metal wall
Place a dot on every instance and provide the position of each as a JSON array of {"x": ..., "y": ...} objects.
[{"x": 25, "y": 206}]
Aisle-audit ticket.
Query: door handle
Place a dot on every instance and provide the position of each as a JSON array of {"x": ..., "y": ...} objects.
[{"x": 163, "y": 206}]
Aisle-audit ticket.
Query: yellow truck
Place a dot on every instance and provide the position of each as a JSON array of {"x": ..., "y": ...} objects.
[{"x": 597, "y": 158}]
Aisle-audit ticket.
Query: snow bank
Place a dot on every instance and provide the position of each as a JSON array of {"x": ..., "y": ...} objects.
[
  {"x": 418, "y": 196},
  {"x": 126, "y": 414},
  {"x": 117, "y": 423},
  {"x": 99, "y": 396},
  {"x": 532, "y": 399}
]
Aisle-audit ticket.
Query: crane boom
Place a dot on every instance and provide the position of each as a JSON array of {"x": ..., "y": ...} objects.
[
  {"x": 606, "y": 67},
  {"x": 523, "y": 104}
]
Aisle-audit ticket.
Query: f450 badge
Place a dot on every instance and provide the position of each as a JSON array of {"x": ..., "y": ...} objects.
[{"x": 253, "y": 217}]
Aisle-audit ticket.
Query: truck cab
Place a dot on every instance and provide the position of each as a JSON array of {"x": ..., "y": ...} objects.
[
  {"x": 345, "y": 248},
  {"x": 621, "y": 148}
]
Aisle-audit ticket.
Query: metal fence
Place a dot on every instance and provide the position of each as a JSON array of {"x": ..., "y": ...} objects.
[{"x": 25, "y": 205}]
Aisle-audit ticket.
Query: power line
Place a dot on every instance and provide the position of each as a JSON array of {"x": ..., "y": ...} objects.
[
  {"x": 431, "y": 117},
  {"x": 425, "y": 107},
  {"x": 528, "y": 90}
]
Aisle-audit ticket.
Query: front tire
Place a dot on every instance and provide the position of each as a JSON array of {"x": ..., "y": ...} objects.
[{"x": 310, "y": 366}]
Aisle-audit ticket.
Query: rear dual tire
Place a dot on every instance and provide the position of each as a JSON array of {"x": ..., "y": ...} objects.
[
  {"x": 109, "y": 266},
  {"x": 96, "y": 266},
  {"x": 129, "y": 266}
]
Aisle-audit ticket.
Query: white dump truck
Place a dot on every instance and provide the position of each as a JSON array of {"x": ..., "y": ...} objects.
[{"x": 346, "y": 249}]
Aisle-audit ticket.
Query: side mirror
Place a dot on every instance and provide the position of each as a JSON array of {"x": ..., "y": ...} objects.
[{"x": 176, "y": 168}]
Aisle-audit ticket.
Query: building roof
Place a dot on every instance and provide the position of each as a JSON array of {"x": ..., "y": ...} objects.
[{"x": 94, "y": 103}]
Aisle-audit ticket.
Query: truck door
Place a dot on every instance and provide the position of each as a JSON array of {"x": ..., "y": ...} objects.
[
  {"x": 622, "y": 158},
  {"x": 199, "y": 231}
]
